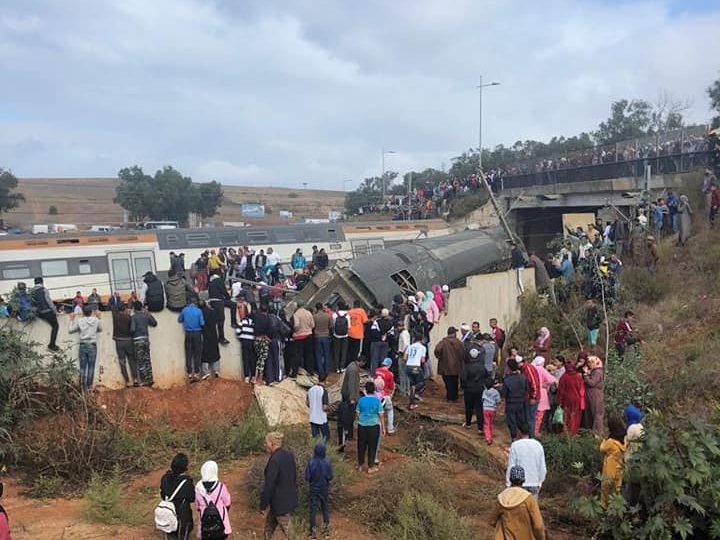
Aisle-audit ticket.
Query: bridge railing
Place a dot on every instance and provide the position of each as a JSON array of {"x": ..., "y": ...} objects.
[{"x": 673, "y": 163}]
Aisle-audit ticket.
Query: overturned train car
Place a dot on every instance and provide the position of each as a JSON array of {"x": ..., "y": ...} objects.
[{"x": 407, "y": 268}]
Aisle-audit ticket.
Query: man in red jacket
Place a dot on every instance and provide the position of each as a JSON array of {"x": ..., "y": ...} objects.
[
  {"x": 533, "y": 395},
  {"x": 384, "y": 373}
]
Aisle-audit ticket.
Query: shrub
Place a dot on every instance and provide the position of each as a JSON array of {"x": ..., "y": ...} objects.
[
  {"x": 420, "y": 517},
  {"x": 637, "y": 285},
  {"x": 568, "y": 457},
  {"x": 409, "y": 477},
  {"x": 625, "y": 384},
  {"x": 30, "y": 387},
  {"x": 45, "y": 487},
  {"x": 565, "y": 324},
  {"x": 676, "y": 481},
  {"x": 293, "y": 195},
  {"x": 102, "y": 501},
  {"x": 52, "y": 210}
]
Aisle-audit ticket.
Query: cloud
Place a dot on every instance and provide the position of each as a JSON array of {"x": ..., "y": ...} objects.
[{"x": 268, "y": 94}]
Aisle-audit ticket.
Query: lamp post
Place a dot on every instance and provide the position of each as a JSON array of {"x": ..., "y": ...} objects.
[
  {"x": 382, "y": 178},
  {"x": 480, "y": 92}
]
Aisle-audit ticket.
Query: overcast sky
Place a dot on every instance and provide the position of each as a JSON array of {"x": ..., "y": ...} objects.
[{"x": 259, "y": 92}]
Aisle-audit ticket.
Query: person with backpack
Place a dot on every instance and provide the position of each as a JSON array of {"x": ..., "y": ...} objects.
[
  {"x": 212, "y": 500},
  {"x": 45, "y": 310},
  {"x": 173, "y": 515},
  {"x": 340, "y": 326}
]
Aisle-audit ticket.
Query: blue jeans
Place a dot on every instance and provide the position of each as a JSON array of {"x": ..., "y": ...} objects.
[
  {"x": 378, "y": 352},
  {"x": 320, "y": 429},
  {"x": 532, "y": 410},
  {"x": 321, "y": 500},
  {"x": 593, "y": 334},
  {"x": 322, "y": 355},
  {"x": 88, "y": 355}
]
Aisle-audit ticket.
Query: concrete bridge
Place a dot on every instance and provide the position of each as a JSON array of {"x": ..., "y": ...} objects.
[{"x": 534, "y": 203}]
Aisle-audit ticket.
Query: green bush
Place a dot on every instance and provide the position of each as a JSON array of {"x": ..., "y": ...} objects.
[
  {"x": 45, "y": 487},
  {"x": 676, "y": 484},
  {"x": 293, "y": 195},
  {"x": 420, "y": 517},
  {"x": 624, "y": 383},
  {"x": 637, "y": 285},
  {"x": 564, "y": 323},
  {"x": 570, "y": 457},
  {"x": 102, "y": 501}
]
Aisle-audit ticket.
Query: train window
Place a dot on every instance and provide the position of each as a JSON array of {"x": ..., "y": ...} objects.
[
  {"x": 99, "y": 239},
  {"x": 228, "y": 238},
  {"x": 285, "y": 236},
  {"x": 54, "y": 268},
  {"x": 16, "y": 272},
  {"x": 84, "y": 267},
  {"x": 68, "y": 241},
  {"x": 406, "y": 282},
  {"x": 257, "y": 236},
  {"x": 197, "y": 239},
  {"x": 172, "y": 239}
]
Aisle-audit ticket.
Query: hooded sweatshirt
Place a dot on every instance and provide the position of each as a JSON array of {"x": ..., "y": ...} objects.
[
  {"x": 517, "y": 516},
  {"x": 318, "y": 472},
  {"x": 209, "y": 488},
  {"x": 635, "y": 430}
]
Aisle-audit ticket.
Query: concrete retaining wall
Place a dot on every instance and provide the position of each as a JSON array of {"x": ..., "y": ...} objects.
[
  {"x": 485, "y": 296},
  {"x": 166, "y": 349}
]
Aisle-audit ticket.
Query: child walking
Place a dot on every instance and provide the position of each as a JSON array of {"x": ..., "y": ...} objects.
[
  {"x": 318, "y": 475},
  {"x": 491, "y": 400}
]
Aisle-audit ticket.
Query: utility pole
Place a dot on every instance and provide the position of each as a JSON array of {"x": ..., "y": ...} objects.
[
  {"x": 409, "y": 193},
  {"x": 480, "y": 103}
]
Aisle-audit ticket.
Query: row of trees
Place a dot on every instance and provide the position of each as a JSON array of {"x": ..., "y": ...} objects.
[
  {"x": 629, "y": 119},
  {"x": 168, "y": 195}
]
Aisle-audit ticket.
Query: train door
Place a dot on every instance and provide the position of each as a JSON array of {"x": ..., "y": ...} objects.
[{"x": 127, "y": 269}]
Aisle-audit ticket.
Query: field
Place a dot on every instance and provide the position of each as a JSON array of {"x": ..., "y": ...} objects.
[{"x": 89, "y": 201}]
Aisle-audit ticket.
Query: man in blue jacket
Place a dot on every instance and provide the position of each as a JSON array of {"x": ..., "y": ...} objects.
[{"x": 193, "y": 321}]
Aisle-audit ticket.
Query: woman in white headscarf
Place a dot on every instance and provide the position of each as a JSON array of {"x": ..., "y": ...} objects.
[
  {"x": 685, "y": 219},
  {"x": 210, "y": 491}
]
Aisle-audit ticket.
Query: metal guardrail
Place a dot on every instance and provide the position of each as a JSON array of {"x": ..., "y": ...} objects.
[{"x": 669, "y": 164}]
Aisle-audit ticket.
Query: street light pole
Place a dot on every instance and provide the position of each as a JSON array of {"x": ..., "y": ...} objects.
[
  {"x": 480, "y": 103},
  {"x": 382, "y": 178}
]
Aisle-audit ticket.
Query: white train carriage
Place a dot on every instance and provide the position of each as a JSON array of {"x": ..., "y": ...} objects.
[{"x": 117, "y": 261}]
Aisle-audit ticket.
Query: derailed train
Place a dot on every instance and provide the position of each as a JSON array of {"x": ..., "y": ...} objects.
[{"x": 410, "y": 267}]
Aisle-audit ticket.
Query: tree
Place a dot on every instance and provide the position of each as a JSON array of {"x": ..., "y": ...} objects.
[
  {"x": 166, "y": 196},
  {"x": 667, "y": 114},
  {"x": 714, "y": 94},
  {"x": 628, "y": 120},
  {"x": 426, "y": 179},
  {"x": 8, "y": 199},
  {"x": 52, "y": 210},
  {"x": 369, "y": 192},
  {"x": 210, "y": 198}
]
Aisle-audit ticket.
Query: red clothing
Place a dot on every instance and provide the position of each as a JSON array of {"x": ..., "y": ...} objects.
[
  {"x": 388, "y": 378},
  {"x": 533, "y": 378},
  {"x": 623, "y": 330},
  {"x": 570, "y": 395},
  {"x": 4, "y": 527},
  {"x": 715, "y": 198}
]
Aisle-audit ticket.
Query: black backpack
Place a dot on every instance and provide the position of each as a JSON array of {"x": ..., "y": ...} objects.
[
  {"x": 341, "y": 325},
  {"x": 211, "y": 522}
]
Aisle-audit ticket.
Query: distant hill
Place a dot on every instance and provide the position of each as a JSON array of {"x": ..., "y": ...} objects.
[{"x": 89, "y": 201}]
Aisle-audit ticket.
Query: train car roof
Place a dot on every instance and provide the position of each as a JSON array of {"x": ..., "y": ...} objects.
[{"x": 217, "y": 236}]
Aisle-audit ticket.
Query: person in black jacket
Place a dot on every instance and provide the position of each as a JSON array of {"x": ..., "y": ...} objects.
[
  {"x": 515, "y": 391},
  {"x": 153, "y": 293},
  {"x": 219, "y": 298},
  {"x": 474, "y": 376},
  {"x": 186, "y": 496},
  {"x": 279, "y": 495}
]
